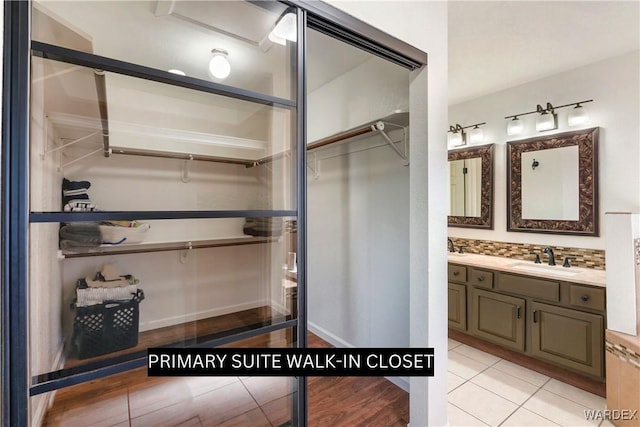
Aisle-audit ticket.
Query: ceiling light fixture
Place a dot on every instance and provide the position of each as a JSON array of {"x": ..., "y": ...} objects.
[
  {"x": 458, "y": 137},
  {"x": 219, "y": 66},
  {"x": 548, "y": 120},
  {"x": 285, "y": 29}
]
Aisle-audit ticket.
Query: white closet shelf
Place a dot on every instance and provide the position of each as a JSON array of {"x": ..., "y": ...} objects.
[
  {"x": 177, "y": 245},
  {"x": 76, "y": 128}
]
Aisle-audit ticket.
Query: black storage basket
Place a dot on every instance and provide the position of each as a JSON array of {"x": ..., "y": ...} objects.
[{"x": 107, "y": 327}]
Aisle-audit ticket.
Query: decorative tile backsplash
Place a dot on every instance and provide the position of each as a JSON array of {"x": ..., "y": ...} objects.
[
  {"x": 622, "y": 352},
  {"x": 588, "y": 258}
]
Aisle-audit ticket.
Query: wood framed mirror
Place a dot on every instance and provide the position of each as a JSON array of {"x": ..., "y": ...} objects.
[
  {"x": 552, "y": 184},
  {"x": 471, "y": 187}
]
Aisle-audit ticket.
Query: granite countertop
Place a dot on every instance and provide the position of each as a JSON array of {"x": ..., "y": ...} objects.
[{"x": 586, "y": 276}]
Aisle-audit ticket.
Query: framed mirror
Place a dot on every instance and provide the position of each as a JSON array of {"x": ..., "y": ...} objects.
[
  {"x": 471, "y": 187},
  {"x": 553, "y": 184}
]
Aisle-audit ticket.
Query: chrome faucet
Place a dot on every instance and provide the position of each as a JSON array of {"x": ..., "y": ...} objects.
[
  {"x": 452, "y": 248},
  {"x": 552, "y": 258}
]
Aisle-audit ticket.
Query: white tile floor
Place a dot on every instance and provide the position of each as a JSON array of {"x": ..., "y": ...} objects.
[{"x": 486, "y": 390}]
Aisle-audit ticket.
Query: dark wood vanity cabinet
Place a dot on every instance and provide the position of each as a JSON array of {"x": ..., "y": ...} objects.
[
  {"x": 498, "y": 318},
  {"x": 556, "y": 321},
  {"x": 568, "y": 337},
  {"x": 458, "y": 306}
]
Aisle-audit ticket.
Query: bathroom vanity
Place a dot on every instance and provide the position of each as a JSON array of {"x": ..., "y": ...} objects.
[{"x": 550, "y": 313}]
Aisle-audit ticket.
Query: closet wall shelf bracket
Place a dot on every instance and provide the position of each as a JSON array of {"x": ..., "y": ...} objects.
[
  {"x": 314, "y": 165},
  {"x": 184, "y": 254},
  {"x": 186, "y": 169},
  {"x": 379, "y": 126}
]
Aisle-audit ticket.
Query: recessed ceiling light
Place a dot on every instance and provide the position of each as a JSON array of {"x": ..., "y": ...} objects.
[{"x": 176, "y": 71}]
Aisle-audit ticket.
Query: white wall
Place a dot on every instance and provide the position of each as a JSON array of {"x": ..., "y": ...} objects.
[
  {"x": 424, "y": 25},
  {"x": 614, "y": 85},
  {"x": 372, "y": 90},
  {"x": 358, "y": 246}
]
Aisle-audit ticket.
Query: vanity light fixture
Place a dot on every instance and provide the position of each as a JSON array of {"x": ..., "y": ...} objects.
[
  {"x": 458, "y": 137},
  {"x": 547, "y": 119},
  {"x": 515, "y": 126},
  {"x": 476, "y": 135},
  {"x": 577, "y": 116},
  {"x": 219, "y": 66}
]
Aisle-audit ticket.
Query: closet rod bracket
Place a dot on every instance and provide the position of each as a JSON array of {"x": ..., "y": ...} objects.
[
  {"x": 379, "y": 127},
  {"x": 186, "y": 169}
]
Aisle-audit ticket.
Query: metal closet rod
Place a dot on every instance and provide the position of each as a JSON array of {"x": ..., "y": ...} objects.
[{"x": 352, "y": 133}]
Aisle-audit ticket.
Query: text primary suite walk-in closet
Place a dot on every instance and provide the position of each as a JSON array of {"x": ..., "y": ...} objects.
[{"x": 200, "y": 175}]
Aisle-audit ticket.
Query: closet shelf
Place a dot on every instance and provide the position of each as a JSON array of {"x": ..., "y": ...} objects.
[
  {"x": 179, "y": 245},
  {"x": 241, "y": 151}
]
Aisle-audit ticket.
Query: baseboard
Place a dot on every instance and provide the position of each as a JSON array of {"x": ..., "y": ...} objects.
[
  {"x": 402, "y": 382},
  {"x": 204, "y": 314},
  {"x": 332, "y": 339},
  {"x": 45, "y": 401}
]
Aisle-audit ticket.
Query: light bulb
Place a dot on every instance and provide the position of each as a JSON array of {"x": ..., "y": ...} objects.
[
  {"x": 578, "y": 116},
  {"x": 219, "y": 66},
  {"x": 476, "y": 135},
  {"x": 545, "y": 121},
  {"x": 515, "y": 127},
  {"x": 286, "y": 27}
]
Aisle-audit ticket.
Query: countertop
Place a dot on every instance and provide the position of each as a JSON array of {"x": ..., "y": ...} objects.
[{"x": 586, "y": 276}]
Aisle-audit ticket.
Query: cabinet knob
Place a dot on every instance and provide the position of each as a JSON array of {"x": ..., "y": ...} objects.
[
  {"x": 481, "y": 279},
  {"x": 584, "y": 298},
  {"x": 456, "y": 273}
]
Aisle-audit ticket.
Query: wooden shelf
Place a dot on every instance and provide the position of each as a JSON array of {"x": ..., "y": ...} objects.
[{"x": 167, "y": 246}]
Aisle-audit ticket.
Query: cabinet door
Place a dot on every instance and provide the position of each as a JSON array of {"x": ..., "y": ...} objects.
[
  {"x": 568, "y": 337},
  {"x": 498, "y": 318},
  {"x": 457, "y": 306}
]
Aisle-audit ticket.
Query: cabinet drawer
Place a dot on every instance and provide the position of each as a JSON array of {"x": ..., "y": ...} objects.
[
  {"x": 481, "y": 278},
  {"x": 535, "y": 288},
  {"x": 457, "y": 273},
  {"x": 583, "y": 296}
]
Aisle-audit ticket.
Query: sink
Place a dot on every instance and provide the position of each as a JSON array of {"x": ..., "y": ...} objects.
[{"x": 536, "y": 268}]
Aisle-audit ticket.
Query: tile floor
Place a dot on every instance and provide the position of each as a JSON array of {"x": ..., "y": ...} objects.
[{"x": 486, "y": 390}]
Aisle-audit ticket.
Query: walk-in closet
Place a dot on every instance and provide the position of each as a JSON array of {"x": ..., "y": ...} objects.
[
  {"x": 163, "y": 207},
  {"x": 202, "y": 174}
]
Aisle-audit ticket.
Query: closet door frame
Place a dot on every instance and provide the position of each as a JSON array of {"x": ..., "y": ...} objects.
[{"x": 16, "y": 383}]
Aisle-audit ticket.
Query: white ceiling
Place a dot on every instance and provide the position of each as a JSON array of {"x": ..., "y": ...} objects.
[{"x": 494, "y": 45}]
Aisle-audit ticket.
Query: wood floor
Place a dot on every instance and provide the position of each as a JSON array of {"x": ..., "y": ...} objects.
[{"x": 133, "y": 399}]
